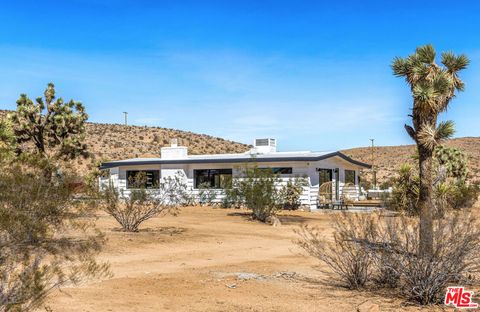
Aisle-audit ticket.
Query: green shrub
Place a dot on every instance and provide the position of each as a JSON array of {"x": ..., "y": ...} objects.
[
  {"x": 291, "y": 192},
  {"x": 232, "y": 197},
  {"x": 206, "y": 194},
  {"x": 260, "y": 190},
  {"x": 38, "y": 214},
  {"x": 405, "y": 190},
  {"x": 450, "y": 187},
  {"x": 464, "y": 195},
  {"x": 257, "y": 189}
]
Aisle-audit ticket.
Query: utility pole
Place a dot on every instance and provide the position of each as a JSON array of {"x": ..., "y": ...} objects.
[
  {"x": 126, "y": 114},
  {"x": 374, "y": 174}
]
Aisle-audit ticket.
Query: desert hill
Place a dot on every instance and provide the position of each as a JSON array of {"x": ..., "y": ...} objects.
[
  {"x": 389, "y": 158},
  {"x": 116, "y": 141}
]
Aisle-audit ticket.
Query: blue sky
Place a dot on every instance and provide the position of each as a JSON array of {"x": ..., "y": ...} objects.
[{"x": 315, "y": 75}]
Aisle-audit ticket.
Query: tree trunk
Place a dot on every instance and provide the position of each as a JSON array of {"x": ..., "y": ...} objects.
[{"x": 425, "y": 203}]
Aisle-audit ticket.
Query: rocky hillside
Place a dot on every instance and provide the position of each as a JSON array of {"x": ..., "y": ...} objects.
[
  {"x": 115, "y": 141},
  {"x": 389, "y": 158}
]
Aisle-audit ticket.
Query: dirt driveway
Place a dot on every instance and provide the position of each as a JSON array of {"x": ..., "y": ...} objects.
[{"x": 208, "y": 259}]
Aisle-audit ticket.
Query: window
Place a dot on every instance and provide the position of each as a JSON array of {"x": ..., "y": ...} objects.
[
  {"x": 279, "y": 170},
  {"x": 324, "y": 175},
  {"x": 350, "y": 176},
  {"x": 151, "y": 179},
  {"x": 214, "y": 178}
]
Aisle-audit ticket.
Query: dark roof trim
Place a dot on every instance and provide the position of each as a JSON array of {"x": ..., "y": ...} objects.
[
  {"x": 353, "y": 161},
  {"x": 114, "y": 164}
]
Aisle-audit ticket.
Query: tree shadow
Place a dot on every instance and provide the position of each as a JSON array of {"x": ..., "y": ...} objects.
[
  {"x": 285, "y": 219},
  {"x": 288, "y": 219},
  {"x": 165, "y": 230},
  {"x": 244, "y": 215}
]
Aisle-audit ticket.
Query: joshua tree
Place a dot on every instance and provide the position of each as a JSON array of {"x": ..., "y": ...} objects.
[
  {"x": 55, "y": 128},
  {"x": 7, "y": 140},
  {"x": 432, "y": 86},
  {"x": 451, "y": 162}
]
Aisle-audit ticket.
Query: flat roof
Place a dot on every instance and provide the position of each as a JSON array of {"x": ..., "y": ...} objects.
[{"x": 235, "y": 158}]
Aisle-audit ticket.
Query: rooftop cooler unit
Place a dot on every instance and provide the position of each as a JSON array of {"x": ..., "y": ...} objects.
[{"x": 265, "y": 146}]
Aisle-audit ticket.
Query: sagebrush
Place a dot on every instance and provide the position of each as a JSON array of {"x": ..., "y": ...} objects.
[
  {"x": 384, "y": 251},
  {"x": 132, "y": 207},
  {"x": 47, "y": 238}
]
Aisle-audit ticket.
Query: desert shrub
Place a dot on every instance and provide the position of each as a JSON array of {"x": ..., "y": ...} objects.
[
  {"x": 7, "y": 140},
  {"x": 385, "y": 185},
  {"x": 385, "y": 273},
  {"x": 232, "y": 197},
  {"x": 364, "y": 182},
  {"x": 156, "y": 138},
  {"x": 289, "y": 194},
  {"x": 464, "y": 195},
  {"x": 91, "y": 179},
  {"x": 385, "y": 251},
  {"x": 349, "y": 261},
  {"x": 405, "y": 192},
  {"x": 454, "y": 260},
  {"x": 140, "y": 204},
  {"x": 450, "y": 189},
  {"x": 257, "y": 191},
  {"x": 47, "y": 239},
  {"x": 206, "y": 194}
]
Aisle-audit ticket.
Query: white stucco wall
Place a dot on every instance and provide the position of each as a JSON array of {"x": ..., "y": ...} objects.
[{"x": 299, "y": 169}]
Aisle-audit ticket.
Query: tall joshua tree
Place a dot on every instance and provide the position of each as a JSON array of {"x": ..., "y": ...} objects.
[
  {"x": 433, "y": 86},
  {"x": 55, "y": 128}
]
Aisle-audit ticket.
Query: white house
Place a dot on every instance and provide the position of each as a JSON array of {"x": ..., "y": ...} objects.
[{"x": 316, "y": 167}]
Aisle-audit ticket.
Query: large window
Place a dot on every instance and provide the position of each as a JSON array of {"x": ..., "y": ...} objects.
[
  {"x": 143, "y": 178},
  {"x": 279, "y": 170},
  {"x": 324, "y": 176},
  {"x": 350, "y": 176},
  {"x": 213, "y": 178}
]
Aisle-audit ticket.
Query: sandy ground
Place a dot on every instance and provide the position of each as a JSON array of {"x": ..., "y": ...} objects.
[{"x": 208, "y": 259}]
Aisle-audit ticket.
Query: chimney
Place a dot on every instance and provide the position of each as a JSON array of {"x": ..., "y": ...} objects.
[{"x": 174, "y": 151}]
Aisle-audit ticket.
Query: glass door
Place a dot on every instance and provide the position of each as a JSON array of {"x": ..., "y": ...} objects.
[{"x": 325, "y": 176}]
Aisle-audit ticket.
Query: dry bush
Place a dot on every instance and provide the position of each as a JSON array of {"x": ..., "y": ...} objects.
[
  {"x": 47, "y": 238},
  {"x": 345, "y": 257},
  {"x": 140, "y": 204},
  {"x": 383, "y": 251},
  {"x": 454, "y": 260}
]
